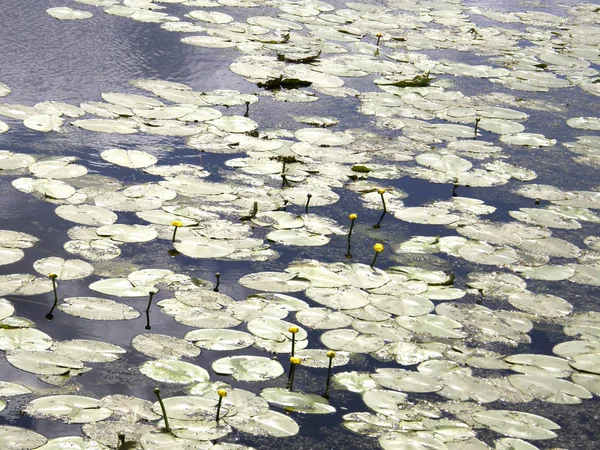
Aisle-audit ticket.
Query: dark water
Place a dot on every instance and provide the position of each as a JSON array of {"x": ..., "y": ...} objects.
[{"x": 42, "y": 58}]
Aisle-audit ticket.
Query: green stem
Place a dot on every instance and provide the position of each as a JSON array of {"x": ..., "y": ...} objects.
[
  {"x": 291, "y": 377},
  {"x": 326, "y": 394},
  {"x": 308, "y": 197},
  {"x": 374, "y": 259},
  {"x": 162, "y": 407},
  {"x": 219, "y": 409},
  {"x": 293, "y": 343},
  {"x": 174, "y": 233},
  {"x": 383, "y": 201},
  {"x": 54, "y": 289},
  {"x": 150, "y": 301},
  {"x": 218, "y": 277}
]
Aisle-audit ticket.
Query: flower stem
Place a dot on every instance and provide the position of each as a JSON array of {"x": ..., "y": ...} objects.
[{"x": 162, "y": 407}]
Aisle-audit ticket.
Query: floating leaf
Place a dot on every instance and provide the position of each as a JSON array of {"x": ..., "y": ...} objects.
[
  {"x": 248, "y": 368},
  {"x": 173, "y": 371},
  {"x": 68, "y": 408},
  {"x": 517, "y": 424},
  {"x": 95, "y": 308}
]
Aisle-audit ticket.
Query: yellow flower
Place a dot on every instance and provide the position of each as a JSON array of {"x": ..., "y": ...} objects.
[
  {"x": 222, "y": 393},
  {"x": 177, "y": 223},
  {"x": 295, "y": 360},
  {"x": 352, "y": 216},
  {"x": 378, "y": 248},
  {"x": 293, "y": 330},
  {"x": 52, "y": 275},
  {"x": 331, "y": 354},
  {"x": 381, "y": 191},
  {"x": 379, "y": 35}
]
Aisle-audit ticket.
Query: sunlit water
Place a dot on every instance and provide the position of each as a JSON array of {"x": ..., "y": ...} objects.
[{"x": 42, "y": 58}]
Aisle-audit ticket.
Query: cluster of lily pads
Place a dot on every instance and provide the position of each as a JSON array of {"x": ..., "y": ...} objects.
[{"x": 451, "y": 347}]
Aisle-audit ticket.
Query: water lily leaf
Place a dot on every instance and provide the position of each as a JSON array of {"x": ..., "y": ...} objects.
[
  {"x": 549, "y": 389},
  {"x": 107, "y": 125},
  {"x": 160, "y": 439},
  {"x": 163, "y": 346},
  {"x": 72, "y": 442},
  {"x": 323, "y": 137},
  {"x": 517, "y": 424},
  {"x": 342, "y": 297},
  {"x": 432, "y": 325},
  {"x": 86, "y": 214},
  {"x": 121, "y": 287},
  {"x": 8, "y": 389},
  {"x": 207, "y": 318},
  {"x": 397, "y": 441},
  {"x": 584, "y": 123},
  {"x": 248, "y": 368},
  {"x": 44, "y": 123},
  {"x": 543, "y": 305},
  {"x": 174, "y": 371},
  {"x": 551, "y": 246},
  {"x": 297, "y": 401},
  {"x": 528, "y": 140},
  {"x": 588, "y": 362},
  {"x": 12, "y": 161},
  {"x": 202, "y": 247},
  {"x": 17, "y": 438},
  {"x": 128, "y": 233},
  {"x": 198, "y": 430},
  {"x": 134, "y": 159},
  {"x": 406, "y": 380},
  {"x": 70, "y": 269},
  {"x": 274, "y": 282},
  {"x": 570, "y": 349},
  {"x": 131, "y": 100},
  {"x": 89, "y": 351},
  {"x": 95, "y": 308},
  {"x": 319, "y": 359},
  {"x": 66, "y": 13},
  {"x": 234, "y": 124},
  {"x": 402, "y": 304},
  {"x": 351, "y": 341},
  {"x": 514, "y": 444},
  {"x": 43, "y": 362},
  {"x": 10, "y": 255},
  {"x": 68, "y": 408},
  {"x": 269, "y": 424},
  {"x": 483, "y": 253},
  {"x": 106, "y": 432},
  {"x": 94, "y": 250},
  {"x": 275, "y": 329},
  {"x": 211, "y": 17},
  {"x": 298, "y": 237},
  {"x": 463, "y": 387},
  {"x": 220, "y": 340},
  {"x": 426, "y": 215},
  {"x": 323, "y": 318},
  {"x": 534, "y": 364},
  {"x": 6, "y": 309},
  {"x": 24, "y": 338},
  {"x": 54, "y": 189},
  {"x": 319, "y": 196},
  {"x": 24, "y": 284},
  {"x": 450, "y": 164},
  {"x": 189, "y": 407}
]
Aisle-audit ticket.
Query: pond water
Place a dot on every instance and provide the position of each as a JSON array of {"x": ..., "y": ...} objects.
[{"x": 477, "y": 123}]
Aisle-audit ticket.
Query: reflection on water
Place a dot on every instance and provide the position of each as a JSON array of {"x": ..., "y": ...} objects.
[{"x": 74, "y": 61}]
